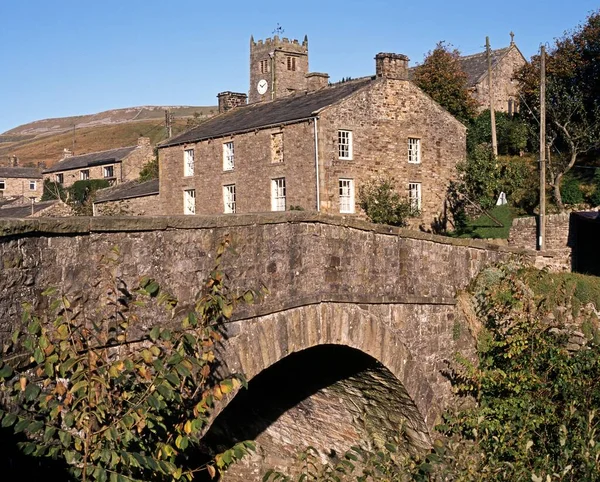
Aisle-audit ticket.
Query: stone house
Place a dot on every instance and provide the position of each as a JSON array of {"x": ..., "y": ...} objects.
[
  {"x": 115, "y": 165},
  {"x": 21, "y": 182},
  {"x": 313, "y": 149},
  {"x": 131, "y": 198},
  {"x": 505, "y": 64}
]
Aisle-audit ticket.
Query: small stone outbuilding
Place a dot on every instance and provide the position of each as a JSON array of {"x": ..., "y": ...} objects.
[{"x": 131, "y": 198}]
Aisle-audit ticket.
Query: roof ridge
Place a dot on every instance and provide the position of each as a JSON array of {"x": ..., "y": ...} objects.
[{"x": 100, "y": 152}]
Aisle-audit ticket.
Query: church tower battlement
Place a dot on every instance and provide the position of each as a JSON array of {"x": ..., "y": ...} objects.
[{"x": 278, "y": 67}]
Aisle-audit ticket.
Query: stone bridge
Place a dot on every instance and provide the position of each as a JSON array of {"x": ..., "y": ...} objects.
[{"x": 350, "y": 343}]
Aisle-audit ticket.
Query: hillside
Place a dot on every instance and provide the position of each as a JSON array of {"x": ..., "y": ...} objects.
[{"x": 43, "y": 141}]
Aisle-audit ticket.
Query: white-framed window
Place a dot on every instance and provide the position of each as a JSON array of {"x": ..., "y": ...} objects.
[
  {"x": 278, "y": 194},
  {"x": 188, "y": 162},
  {"x": 414, "y": 150},
  {"x": 414, "y": 196},
  {"x": 345, "y": 145},
  {"x": 189, "y": 201},
  {"x": 346, "y": 189},
  {"x": 2, "y": 184},
  {"x": 60, "y": 178},
  {"x": 229, "y": 199},
  {"x": 32, "y": 185},
  {"x": 84, "y": 174},
  {"x": 228, "y": 156},
  {"x": 109, "y": 172}
]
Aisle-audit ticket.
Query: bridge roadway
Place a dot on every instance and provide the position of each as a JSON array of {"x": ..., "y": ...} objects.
[{"x": 361, "y": 317}]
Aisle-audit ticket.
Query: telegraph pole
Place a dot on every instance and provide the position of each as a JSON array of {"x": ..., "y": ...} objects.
[
  {"x": 492, "y": 113},
  {"x": 542, "y": 219},
  {"x": 168, "y": 126}
]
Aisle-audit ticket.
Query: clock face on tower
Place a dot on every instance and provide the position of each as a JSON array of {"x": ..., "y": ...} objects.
[{"x": 262, "y": 86}]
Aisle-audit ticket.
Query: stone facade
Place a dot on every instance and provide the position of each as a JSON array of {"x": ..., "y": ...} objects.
[
  {"x": 126, "y": 164},
  {"x": 505, "y": 87},
  {"x": 380, "y": 119},
  {"x": 385, "y": 292},
  {"x": 138, "y": 206},
  {"x": 22, "y": 182},
  {"x": 282, "y": 63}
]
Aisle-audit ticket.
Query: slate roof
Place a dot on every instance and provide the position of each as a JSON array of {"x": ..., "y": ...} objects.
[
  {"x": 127, "y": 190},
  {"x": 475, "y": 66},
  {"x": 92, "y": 159},
  {"x": 20, "y": 172},
  {"x": 260, "y": 115},
  {"x": 24, "y": 210}
]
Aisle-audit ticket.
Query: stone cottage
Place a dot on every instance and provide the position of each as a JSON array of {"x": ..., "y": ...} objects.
[
  {"x": 505, "y": 64},
  {"x": 312, "y": 147},
  {"x": 115, "y": 165},
  {"x": 20, "y": 182}
]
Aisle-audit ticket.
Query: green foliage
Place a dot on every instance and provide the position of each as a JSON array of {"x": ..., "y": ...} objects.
[
  {"x": 570, "y": 191},
  {"x": 483, "y": 227},
  {"x": 150, "y": 169},
  {"x": 383, "y": 205},
  {"x": 82, "y": 191},
  {"x": 53, "y": 190},
  {"x": 595, "y": 196},
  {"x": 441, "y": 76},
  {"x": 537, "y": 402},
  {"x": 512, "y": 133},
  {"x": 87, "y": 388}
]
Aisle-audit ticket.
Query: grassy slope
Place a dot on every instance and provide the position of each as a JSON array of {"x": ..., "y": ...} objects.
[
  {"x": 484, "y": 228},
  {"x": 49, "y": 148}
]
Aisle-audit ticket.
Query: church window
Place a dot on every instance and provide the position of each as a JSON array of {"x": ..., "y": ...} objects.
[
  {"x": 291, "y": 63},
  {"x": 264, "y": 66}
]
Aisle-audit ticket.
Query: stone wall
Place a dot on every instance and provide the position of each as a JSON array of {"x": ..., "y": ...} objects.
[
  {"x": 15, "y": 187},
  {"x": 381, "y": 119},
  {"x": 139, "y": 206},
  {"x": 524, "y": 231},
  {"x": 71, "y": 176},
  {"x": 505, "y": 87},
  {"x": 252, "y": 175}
]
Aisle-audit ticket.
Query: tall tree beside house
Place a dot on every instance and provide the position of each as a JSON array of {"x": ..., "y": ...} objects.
[
  {"x": 572, "y": 98},
  {"x": 441, "y": 76}
]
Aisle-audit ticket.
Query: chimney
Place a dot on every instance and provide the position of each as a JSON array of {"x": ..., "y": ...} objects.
[
  {"x": 229, "y": 100},
  {"x": 391, "y": 66},
  {"x": 14, "y": 161},
  {"x": 143, "y": 141},
  {"x": 316, "y": 81},
  {"x": 67, "y": 153}
]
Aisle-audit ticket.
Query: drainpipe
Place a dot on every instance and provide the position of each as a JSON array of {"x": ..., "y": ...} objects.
[{"x": 317, "y": 164}]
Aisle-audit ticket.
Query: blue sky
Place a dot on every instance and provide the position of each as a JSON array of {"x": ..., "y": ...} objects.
[{"x": 63, "y": 57}]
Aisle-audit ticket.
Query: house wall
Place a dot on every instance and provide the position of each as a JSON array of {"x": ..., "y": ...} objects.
[
  {"x": 139, "y": 206},
  {"x": 134, "y": 162},
  {"x": 252, "y": 174},
  {"x": 505, "y": 88},
  {"x": 381, "y": 119},
  {"x": 96, "y": 172},
  {"x": 15, "y": 187}
]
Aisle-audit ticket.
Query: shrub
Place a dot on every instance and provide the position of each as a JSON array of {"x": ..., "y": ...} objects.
[
  {"x": 570, "y": 191},
  {"x": 383, "y": 205}
]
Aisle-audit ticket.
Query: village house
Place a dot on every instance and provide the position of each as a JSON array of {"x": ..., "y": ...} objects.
[
  {"x": 24, "y": 183},
  {"x": 115, "y": 165},
  {"x": 132, "y": 198},
  {"x": 304, "y": 144}
]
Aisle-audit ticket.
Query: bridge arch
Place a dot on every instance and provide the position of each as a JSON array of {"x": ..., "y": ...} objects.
[{"x": 259, "y": 345}]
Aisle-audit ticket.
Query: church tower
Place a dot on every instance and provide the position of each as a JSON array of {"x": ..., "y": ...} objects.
[{"x": 278, "y": 67}]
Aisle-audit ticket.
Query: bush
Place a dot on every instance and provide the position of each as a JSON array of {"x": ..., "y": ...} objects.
[
  {"x": 383, "y": 205},
  {"x": 595, "y": 196},
  {"x": 570, "y": 191}
]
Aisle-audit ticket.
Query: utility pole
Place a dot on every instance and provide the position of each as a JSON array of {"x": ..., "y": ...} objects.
[
  {"x": 73, "y": 149},
  {"x": 542, "y": 219},
  {"x": 490, "y": 88},
  {"x": 168, "y": 124}
]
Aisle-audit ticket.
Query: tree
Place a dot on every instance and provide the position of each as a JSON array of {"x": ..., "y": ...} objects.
[
  {"x": 572, "y": 98},
  {"x": 383, "y": 205},
  {"x": 512, "y": 132},
  {"x": 111, "y": 400},
  {"x": 150, "y": 169},
  {"x": 441, "y": 76}
]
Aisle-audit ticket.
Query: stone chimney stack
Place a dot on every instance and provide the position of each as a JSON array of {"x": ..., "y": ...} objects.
[
  {"x": 391, "y": 66},
  {"x": 229, "y": 100},
  {"x": 14, "y": 161},
  {"x": 67, "y": 153},
  {"x": 143, "y": 141},
  {"x": 316, "y": 81}
]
